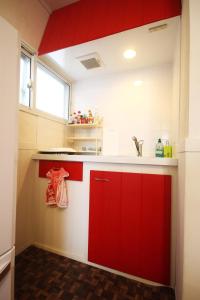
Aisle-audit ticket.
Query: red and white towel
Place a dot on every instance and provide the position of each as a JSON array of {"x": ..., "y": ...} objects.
[{"x": 56, "y": 194}]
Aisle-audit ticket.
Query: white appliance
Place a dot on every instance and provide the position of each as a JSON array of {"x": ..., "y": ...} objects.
[{"x": 9, "y": 74}]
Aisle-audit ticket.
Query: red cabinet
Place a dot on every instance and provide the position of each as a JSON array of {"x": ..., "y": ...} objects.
[
  {"x": 129, "y": 226},
  {"x": 130, "y": 217},
  {"x": 104, "y": 222},
  {"x": 74, "y": 168},
  {"x": 155, "y": 228}
]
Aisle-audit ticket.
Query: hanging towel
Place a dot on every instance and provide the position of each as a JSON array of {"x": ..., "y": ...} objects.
[{"x": 56, "y": 194}]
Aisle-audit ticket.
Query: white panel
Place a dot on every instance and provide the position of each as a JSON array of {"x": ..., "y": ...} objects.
[
  {"x": 6, "y": 281},
  {"x": 144, "y": 111},
  {"x": 5, "y": 287},
  {"x": 8, "y": 124}
]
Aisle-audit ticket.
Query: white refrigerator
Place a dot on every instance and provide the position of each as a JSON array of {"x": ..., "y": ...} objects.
[{"x": 9, "y": 78}]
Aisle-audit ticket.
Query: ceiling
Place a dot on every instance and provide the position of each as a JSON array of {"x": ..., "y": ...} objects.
[
  {"x": 152, "y": 49},
  {"x": 56, "y": 4}
]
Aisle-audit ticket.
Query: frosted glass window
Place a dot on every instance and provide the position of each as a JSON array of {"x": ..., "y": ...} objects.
[
  {"x": 52, "y": 93},
  {"x": 25, "y": 80}
]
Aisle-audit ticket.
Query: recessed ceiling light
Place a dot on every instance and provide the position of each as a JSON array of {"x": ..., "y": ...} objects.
[
  {"x": 138, "y": 82},
  {"x": 129, "y": 54}
]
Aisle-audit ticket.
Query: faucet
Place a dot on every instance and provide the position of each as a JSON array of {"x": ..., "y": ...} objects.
[{"x": 138, "y": 145}]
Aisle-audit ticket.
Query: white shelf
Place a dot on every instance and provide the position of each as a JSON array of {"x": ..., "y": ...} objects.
[
  {"x": 93, "y": 125},
  {"x": 82, "y": 138}
]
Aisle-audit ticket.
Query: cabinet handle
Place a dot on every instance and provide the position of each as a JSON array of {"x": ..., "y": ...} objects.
[{"x": 101, "y": 179}]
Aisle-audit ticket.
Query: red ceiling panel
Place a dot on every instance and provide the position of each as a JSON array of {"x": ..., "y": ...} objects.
[{"x": 88, "y": 20}]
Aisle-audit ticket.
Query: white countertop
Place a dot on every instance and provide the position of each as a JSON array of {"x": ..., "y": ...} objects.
[{"x": 110, "y": 159}]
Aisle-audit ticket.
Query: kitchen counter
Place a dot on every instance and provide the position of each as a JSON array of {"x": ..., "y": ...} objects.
[
  {"x": 153, "y": 161},
  {"x": 74, "y": 221}
]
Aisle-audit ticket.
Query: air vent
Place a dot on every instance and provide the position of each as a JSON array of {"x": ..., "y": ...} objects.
[
  {"x": 157, "y": 28},
  {"x": 91, "y": 61}
]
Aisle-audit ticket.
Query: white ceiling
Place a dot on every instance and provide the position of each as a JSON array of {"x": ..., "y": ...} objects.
[
  {"x": 152, "y": 49},
  {"x": 56, "y": 4}
]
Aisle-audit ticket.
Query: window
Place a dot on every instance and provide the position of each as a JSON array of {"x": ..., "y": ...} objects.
[
  {"x": 25, "y": 79},
  {"x": 52, "y": 93},
  {"x": 41, "y": 89}
]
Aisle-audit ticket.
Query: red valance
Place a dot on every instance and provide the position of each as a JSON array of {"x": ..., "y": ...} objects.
[{"x": 88, "y": 20}]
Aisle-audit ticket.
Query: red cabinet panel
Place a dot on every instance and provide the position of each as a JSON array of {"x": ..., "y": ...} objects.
[
  {"x": 155, "y": 228},
  {"x": 130, "y": 218},
  {"x": 74, "y": 168},
  {"x": 129, "y": 226},
  {"x": 104, "y": 225}
]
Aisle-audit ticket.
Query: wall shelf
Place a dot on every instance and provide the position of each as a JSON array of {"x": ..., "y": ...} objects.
[
  {"x": 86, "y": 138},
  {"x": 82, "y": 138},
  {"x": 92, "y": 125}
]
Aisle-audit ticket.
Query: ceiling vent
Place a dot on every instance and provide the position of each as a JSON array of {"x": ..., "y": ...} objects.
[
  {"x": 157, "y": 28},
  {"x": 90, "y": 61}
]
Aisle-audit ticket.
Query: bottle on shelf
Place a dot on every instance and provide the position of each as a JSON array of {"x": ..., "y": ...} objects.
[
  {"x": 159, "y": 151},
  {"x": 167, "y": 149}
]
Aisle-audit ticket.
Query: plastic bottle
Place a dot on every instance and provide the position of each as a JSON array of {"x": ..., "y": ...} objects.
[
  {"x": 167, "y": 149},
  {"x": 159, "y": 149}
]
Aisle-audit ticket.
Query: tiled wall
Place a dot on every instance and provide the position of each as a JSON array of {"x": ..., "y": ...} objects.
[{"x": 35, "y": 132}]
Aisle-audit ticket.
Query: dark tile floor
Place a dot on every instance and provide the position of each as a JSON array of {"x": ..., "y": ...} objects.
[{"x": 44, "y": 275}]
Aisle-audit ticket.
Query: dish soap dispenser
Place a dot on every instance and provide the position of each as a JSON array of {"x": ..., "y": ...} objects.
[
  {"x": 167, "y": 149},
  {"x": 159, "y": 149}
]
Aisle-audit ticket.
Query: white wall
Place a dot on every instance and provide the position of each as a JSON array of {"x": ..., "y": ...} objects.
[
  {"x": 9, "y": 68},
  {"x": 191, "y": 270},
  {"x": 188, "y": 243},
  {"x": 183, "y": 131},
  {"x": 127, "y": 110},
  {"x": 29, "y": 17},
  {"x": 34, "y": 133},
  {"x": 184, "y": 76},
  {"x": 194, "y": 72},
  {"x": 191, "y": 263},
  {"x": 176, "y": 94}
]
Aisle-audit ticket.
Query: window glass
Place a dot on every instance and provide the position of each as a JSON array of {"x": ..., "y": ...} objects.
[
  {"x": 52, "y": 93},
  {"x": 25, "y": 80}
]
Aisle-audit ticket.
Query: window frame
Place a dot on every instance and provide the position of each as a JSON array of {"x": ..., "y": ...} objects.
[
  {"x": 32, "y": 108},
  {"x": 54, "y": 74},
  {"x": 30, "y": 55}
]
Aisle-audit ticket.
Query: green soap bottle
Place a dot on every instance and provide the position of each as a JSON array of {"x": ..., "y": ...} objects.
[{"x": 159, "y": 149}]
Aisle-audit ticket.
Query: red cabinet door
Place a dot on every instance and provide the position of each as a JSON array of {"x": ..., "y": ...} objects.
[
  {"x": 104, "y": 223},
  {"x": 130, "y": 219},
  {"x": 129, "y": 224},
  {"x": 155, "y": 228}
]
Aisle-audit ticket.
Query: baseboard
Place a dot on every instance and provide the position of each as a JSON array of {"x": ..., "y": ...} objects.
[
  {"x": 85, "y": 261},
  {"x": 20, "y": 249},
  {"x": 59, "y": 252}
]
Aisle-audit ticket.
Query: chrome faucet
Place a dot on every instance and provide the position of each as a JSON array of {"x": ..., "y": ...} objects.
[{"x": 138, "y": 145}]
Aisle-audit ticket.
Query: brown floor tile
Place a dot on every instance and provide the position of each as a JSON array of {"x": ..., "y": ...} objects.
[{"x": 44, "y": 275}]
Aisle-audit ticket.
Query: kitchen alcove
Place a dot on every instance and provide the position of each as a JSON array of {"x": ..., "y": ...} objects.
[
  {"x": 138, "y": 96},
  {"x": 135, "y": 97}
]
